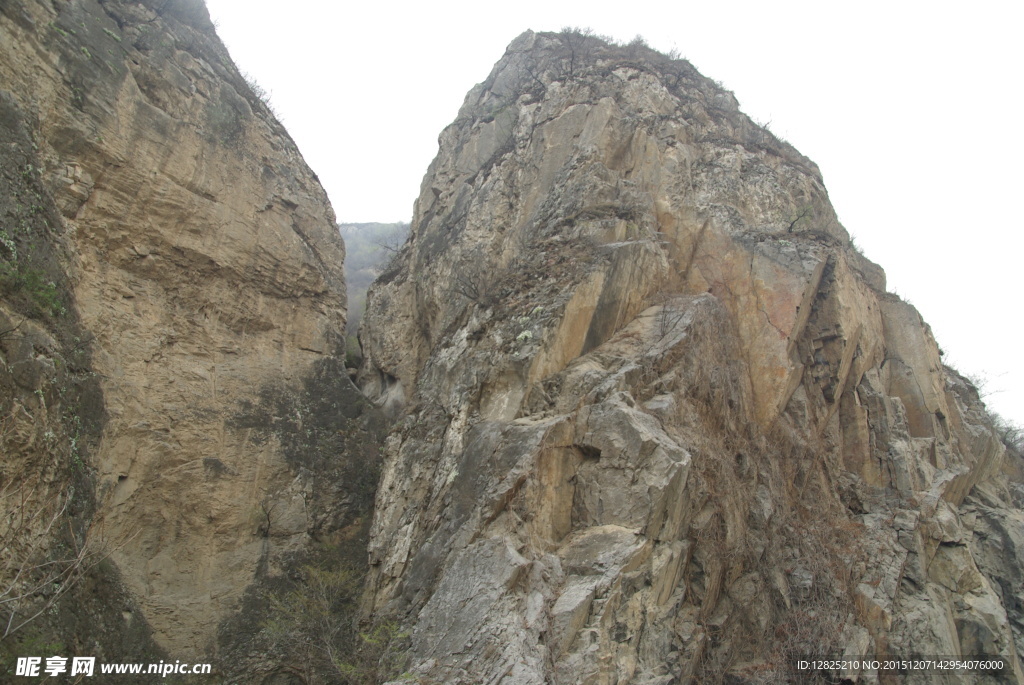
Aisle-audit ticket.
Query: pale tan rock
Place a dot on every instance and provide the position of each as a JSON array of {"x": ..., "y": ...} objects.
[
  {"x": 628, "y": 333},
  {"x": 206, "y": 267}
]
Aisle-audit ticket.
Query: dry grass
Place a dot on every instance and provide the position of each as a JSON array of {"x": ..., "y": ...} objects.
[{"x": 809, "y": 535}]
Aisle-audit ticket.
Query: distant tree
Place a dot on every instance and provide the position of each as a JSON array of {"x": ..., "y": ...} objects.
[
  {"x": 579, "y": 44},
  {"x": 369, "y": 247}
]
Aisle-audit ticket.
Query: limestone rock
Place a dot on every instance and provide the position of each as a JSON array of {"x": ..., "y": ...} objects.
[
  {"x": 657, "y": 420},
  {"x": 205, "y": 269}
]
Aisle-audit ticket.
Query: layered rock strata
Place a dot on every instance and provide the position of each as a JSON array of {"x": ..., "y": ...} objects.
[
  {"x": 205, "y": 269},
  {"x": 658, "y": 419}
]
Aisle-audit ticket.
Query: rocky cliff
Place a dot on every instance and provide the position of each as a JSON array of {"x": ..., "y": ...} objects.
[
  {"x": 658, "y": 419},
  {"x": 173, "y": 320}
]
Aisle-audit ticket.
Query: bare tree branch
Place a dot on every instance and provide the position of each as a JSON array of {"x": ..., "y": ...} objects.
[{"x": 28, "y": 586}]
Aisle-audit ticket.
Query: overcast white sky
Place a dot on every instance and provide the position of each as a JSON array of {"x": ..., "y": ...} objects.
[{"x": 911, "y": 109}]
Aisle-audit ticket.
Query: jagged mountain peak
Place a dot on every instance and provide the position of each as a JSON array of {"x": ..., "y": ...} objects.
[{"x": 658, "y": 418}]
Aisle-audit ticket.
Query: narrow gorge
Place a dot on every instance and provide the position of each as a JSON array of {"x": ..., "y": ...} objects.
[{"x": 631, "y": 408}]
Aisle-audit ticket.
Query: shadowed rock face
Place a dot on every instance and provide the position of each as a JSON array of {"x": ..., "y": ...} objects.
[
  {"x": 657, "y": 418},
  {"x": 205, "y": 268}
]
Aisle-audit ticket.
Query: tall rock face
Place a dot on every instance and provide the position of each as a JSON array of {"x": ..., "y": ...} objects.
[
  {"x": 200, "y": 264},
  {"x": 658, "y": 419}
]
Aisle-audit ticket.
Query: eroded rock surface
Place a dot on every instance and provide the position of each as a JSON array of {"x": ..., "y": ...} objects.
[
  {"x": 658, "y": 420},
  {"x": 205, "y": 270}
]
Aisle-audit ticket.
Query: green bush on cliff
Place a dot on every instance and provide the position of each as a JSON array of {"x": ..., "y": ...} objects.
[{"x": 40, "y": 295}]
